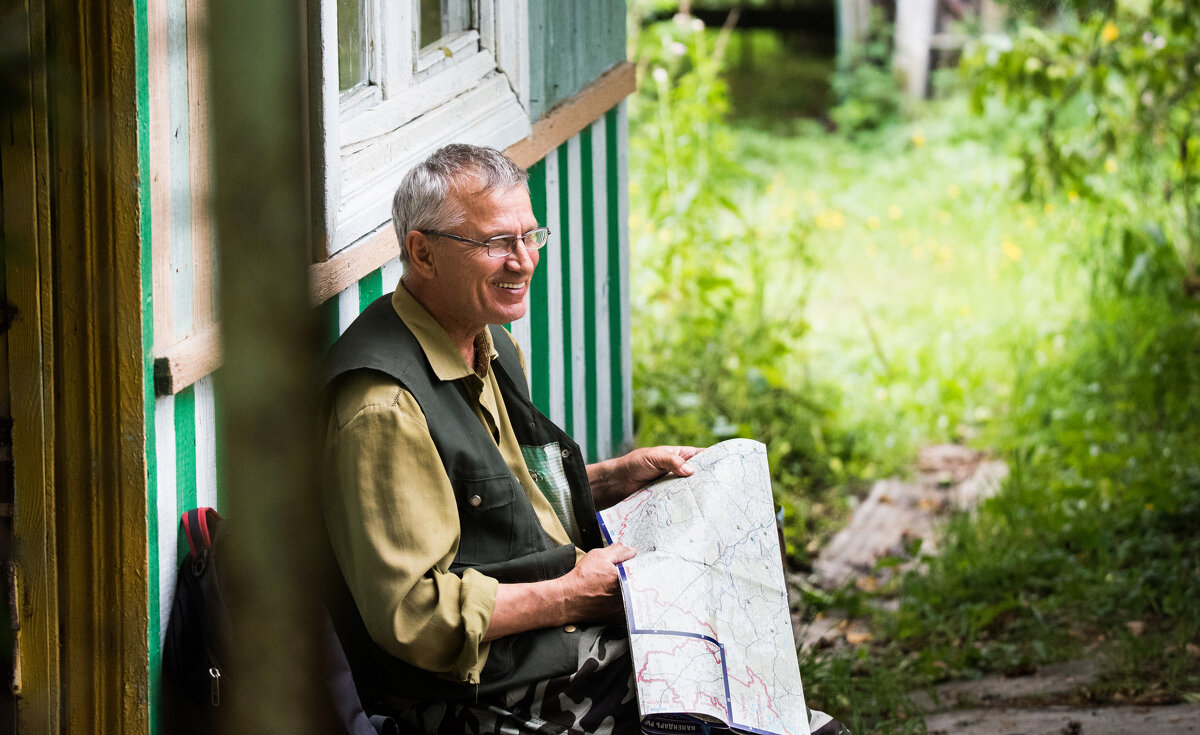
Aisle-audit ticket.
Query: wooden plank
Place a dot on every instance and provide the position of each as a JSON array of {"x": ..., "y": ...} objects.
[
  {"x": 566, "y": 120},
  {"x": 24, "y": 156},
  {"x": 199, "y": 165},
  {"x": 343, "y": 270},
  {"x": 160, "y": 170},
  {"x": 574, "y": 291},
  {"x": 324, "y": 121},
  {"x": 186, "y": 361},
  {"x": 604, "y": 406},
  {"x": 554, "y": 253}
]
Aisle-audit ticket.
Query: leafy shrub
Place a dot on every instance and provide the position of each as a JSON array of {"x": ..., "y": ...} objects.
[{"x": 866, "y": 87}]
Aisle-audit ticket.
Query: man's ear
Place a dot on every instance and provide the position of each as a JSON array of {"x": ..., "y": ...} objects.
[{"x": 420, "y": 254}]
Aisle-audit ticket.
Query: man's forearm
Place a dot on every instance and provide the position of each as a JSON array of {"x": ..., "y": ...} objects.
[
  {"x": 588, "y": 593},
  {"x": 606, "y": 482},
  {"x": 527, "y": 606}
]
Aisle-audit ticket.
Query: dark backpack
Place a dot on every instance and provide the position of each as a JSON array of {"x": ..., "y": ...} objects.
[{"x": 198, "y": 632}]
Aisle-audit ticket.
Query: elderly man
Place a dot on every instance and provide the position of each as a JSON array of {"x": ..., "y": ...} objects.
[{"x": 461, "y": 519}]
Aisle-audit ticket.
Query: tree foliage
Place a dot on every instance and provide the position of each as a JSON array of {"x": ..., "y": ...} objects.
[{"x": 1117, "y": 86}]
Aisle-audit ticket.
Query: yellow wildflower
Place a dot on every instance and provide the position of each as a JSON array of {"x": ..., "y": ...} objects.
[
  {"x": 894, "y": 212},
  {"x": 1110, "y": 165},
  {"x": 873, "y": 223},
  {"x": 1072, "y": 196},
  {"x": 830, "y": 219},
  {"x": 1010, "y": 250},
  {"x": 918, "y": 138},
  {"x": 953, "y": 191},
  {"x": 1109, "y": 32},
  {"x": 1049, "y": 208},
  {"x": 635, "y": 186},
  {"x": 945, "y": 254}
]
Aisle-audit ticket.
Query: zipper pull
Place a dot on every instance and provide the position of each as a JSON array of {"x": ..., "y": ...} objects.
[{"x": 215, "y": 674}]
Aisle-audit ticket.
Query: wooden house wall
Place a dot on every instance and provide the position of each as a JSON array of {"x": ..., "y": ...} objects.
[
  {"x": 574, "y": 337},
  {"x": 571, "y": 43}
]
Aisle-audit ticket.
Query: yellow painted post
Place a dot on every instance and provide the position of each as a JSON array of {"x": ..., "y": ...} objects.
[
  {"x": 71, "y": 232},
  {"x": 267, "y": 388}
]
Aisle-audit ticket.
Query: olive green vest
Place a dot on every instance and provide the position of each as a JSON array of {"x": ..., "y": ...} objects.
[{"x": 500, "y": 534}]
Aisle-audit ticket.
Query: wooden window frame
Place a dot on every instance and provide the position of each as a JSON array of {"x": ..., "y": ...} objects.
[{"x": 477, "y": 90}]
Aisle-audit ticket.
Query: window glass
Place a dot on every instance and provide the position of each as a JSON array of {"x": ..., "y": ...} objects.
[
  {"x": 352, "y": 44},
  {"x": 441, "y": 18}
]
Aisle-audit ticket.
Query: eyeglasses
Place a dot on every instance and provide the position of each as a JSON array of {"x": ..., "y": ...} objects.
[{"x": 501, "y": 246}]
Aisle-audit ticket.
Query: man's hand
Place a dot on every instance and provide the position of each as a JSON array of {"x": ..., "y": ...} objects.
[
  {"x": 590, "y": 592},
  {"x": 616, "y": 479}
]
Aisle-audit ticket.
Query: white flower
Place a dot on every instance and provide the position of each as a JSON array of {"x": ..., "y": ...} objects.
[
  {"x": 660, "y": 75},
  {"x": 697, "y": 25},
  {"x": 678, "y": 49}
]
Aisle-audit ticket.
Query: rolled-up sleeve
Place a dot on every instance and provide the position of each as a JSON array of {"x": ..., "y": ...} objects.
[{"x": 393, "y": 525}]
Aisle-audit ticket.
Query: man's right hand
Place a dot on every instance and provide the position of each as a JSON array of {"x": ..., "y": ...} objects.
[{"x": 590, "y": 592}]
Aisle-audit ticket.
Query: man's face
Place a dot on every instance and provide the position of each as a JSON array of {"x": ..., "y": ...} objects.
[{"x": 480, "y": 289}]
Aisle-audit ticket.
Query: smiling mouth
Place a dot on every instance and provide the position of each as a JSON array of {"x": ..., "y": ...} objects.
[{"x": 512, "y": 286}]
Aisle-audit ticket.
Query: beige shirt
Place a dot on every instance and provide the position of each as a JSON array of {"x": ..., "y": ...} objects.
[{"x": 391, "y": 511}]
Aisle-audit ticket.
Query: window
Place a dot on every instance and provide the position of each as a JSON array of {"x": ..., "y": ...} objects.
[{"x": 409, "y": 76}]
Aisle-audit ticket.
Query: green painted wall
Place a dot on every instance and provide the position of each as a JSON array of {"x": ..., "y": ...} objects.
[{"x": 572, "y": 43}]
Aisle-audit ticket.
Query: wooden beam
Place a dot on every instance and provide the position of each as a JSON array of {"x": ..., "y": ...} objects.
[
  {"x": 187, "y": 361},
  {"x": 82, "y": 521},
  {"x": 331, "y": 277}
]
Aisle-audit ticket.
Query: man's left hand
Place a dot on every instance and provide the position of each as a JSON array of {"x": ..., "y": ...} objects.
[{"x": 616, "y": 479}]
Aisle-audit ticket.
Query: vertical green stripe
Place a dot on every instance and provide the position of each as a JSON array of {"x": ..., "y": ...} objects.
[
  {"x": 564, "y": 223},
  {"x": 616, "y": 333},
  {"x": 539, "y": 301},
  {"x": 588, "y": 213},
  {"x": 142, "y": 52},
  {"x": 370, "y": 288},
  {"x": 185, "y": 450}
]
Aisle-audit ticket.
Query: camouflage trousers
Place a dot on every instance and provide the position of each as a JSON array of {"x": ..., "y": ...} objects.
[{"x": 600, "y": 698}]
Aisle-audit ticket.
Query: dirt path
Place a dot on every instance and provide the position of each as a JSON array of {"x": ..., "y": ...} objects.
[{"x": 895, "y": 514}]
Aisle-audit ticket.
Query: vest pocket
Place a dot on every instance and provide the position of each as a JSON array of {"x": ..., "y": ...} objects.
[{"x": 486, "y": 518}]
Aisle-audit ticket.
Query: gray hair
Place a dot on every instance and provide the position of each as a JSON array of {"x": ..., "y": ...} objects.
[{"x": 423, "y": 201}]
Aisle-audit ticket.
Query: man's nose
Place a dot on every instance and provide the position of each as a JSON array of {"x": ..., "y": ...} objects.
[{"x": 522, "y": 257}]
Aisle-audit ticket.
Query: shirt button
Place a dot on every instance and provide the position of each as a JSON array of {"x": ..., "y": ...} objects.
[
  {"x": 535, "y": 476},
  {"x": 475, "y": 501},
  {"x": 566, "y": 453},
  {"x": 569, "y": 628}
]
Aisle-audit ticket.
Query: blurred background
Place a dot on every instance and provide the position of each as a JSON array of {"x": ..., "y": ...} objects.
[{"x": 860, "y": 229}]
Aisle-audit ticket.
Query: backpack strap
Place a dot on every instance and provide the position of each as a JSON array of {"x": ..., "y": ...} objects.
[{"x": 194, "y": 524}]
